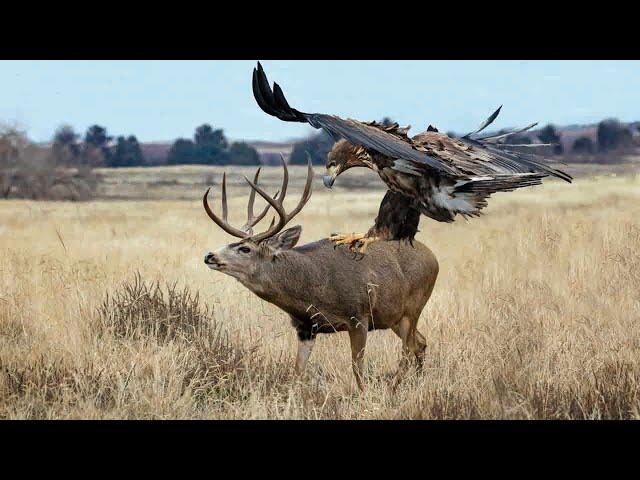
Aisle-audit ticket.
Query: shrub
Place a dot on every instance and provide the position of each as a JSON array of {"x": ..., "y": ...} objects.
[
  {"x": 213, "y": 363},
  {"x": 583, "y": 145},
  {"x": 139, "y": 309},
  {"x": 318, "y": 147},
  {"x": 612, "y": 135},
  {"x": 29, "y": 171}
]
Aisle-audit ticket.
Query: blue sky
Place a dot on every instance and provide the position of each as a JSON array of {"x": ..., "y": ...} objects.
[{"x": 163, "y": 100}]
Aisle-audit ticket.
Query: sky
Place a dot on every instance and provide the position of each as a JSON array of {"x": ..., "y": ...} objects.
[{"x": 164, "y": 100}]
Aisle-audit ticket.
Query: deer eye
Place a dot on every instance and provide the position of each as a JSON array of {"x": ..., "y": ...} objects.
[{"x": 244, "y": 249}]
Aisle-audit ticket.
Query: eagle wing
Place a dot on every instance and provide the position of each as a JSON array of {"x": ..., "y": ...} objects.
[
  {"x": 481, "y": 156},
  {"x": 273, "y": 102},
  {"x": 430, "y": 150}
]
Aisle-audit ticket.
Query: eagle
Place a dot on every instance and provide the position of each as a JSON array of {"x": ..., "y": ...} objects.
[{"x": 429, "y": 174}]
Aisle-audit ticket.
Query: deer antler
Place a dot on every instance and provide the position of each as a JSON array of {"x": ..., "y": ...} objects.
[
  {"x": 251, "y": 220},
  {"x": 278, "y": 203},
  {"x": 247, "y": 229}
]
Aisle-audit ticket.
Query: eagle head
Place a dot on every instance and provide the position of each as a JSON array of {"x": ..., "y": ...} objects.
[{"x": 342, "y": 157}]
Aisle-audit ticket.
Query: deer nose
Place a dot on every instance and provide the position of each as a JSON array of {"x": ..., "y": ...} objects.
[{"x": 209, "y": 258}]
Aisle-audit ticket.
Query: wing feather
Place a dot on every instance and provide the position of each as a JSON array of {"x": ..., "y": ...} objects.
[
  {"x": 273, "y": 102},
  {"x": 430, "y": 150}
]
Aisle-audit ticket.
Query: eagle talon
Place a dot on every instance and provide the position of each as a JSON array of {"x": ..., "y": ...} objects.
[{"x": 357, "y": 242}]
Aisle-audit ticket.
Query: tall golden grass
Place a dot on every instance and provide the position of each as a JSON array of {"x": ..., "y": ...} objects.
[{"x": 536, "y": 314}]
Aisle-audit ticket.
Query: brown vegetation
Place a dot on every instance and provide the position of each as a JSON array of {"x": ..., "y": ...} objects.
[
  {"x": 37, "y": 173},
  {"x": 535, "y": 314}
]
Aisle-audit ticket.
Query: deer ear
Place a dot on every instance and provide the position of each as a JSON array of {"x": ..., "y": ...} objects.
[{"x": 286, "y": 239}]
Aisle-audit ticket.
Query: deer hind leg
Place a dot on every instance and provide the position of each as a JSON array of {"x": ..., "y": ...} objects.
[
  {"x": 358, "y": 338},
  {"x": 420, "y": 348},
  {"x": 402, "y": 330}
]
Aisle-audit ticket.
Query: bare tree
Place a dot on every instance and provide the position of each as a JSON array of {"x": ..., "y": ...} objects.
[{"x": 31, "y": 171}]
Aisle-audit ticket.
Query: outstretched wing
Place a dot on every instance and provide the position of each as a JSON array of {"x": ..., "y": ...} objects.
[
  {"x": 430, "y": 150},
  {"x": 477, "y": 157},
  {"x": 274, "y": 103}
]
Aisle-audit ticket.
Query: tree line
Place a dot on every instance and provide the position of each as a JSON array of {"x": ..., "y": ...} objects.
[
  {"x": 208, "y": 146},
  {"x": 612, "y": 136}
]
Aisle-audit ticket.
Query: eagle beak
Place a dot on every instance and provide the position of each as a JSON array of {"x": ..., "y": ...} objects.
[
  {"x": 328, "y": 181},
  {"x": 332, "y": 172}
]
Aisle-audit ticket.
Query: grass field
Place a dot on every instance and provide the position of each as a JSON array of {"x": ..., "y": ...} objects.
[{"x": 535, "y": 314}]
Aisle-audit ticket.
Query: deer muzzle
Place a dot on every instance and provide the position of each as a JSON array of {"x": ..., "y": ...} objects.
[{"x": 212, "y": 261}]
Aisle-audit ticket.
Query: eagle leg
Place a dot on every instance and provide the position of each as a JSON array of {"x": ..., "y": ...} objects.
[
  {"x": 346, "y": 238},
  {"x": 358, "y": 242},
  {"x": 363, "y": 243}
]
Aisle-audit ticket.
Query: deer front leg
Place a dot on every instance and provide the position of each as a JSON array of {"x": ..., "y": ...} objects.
[
  {"x": 305, "y": 348},
  {"x": 306, "y": 340},
  {"x": 358, "y": 338}
]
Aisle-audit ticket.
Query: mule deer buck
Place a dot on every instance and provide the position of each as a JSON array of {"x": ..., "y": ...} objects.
[{"x": 323, "y": 287}]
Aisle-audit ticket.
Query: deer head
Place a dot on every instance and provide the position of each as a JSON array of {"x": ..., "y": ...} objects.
[{"x": 241, "y": 259}]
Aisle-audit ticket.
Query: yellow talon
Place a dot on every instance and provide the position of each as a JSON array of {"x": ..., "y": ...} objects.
[
  {"x": 358, "y": 242},
  {"x": 346, "y": 238},
  {"x": 364, "y": 243}
]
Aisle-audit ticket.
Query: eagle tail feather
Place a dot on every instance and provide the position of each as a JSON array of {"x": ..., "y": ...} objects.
[{"x": 469, "y": 197}]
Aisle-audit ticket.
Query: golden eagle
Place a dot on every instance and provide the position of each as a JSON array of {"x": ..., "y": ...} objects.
[{"x": 430, "y": 173}]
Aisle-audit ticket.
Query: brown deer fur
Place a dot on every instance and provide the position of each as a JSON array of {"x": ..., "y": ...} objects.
[{"x": 327, "y": 288}]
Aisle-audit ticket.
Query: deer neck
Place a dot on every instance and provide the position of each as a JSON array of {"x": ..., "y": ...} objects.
[{"x": 280, "y": 281}]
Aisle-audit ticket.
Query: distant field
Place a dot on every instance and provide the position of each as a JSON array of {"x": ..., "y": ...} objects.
[
  {"x": 189, "y": 182},
  {"x": 536, "y": 312}
]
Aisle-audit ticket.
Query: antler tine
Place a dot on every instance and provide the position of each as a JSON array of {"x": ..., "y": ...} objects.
[
  {"x": 278, "y": 207},
  {"x": 251, "y": 220},
  {"x": 277, "y": 204},
  {"x": 280, "y": 195},
  {"x": 252, "y": 197},
  {"x": 224, "y": 196},
  {"x": 285, "y": 179},
  {"x": 221, "y": 223},
  {"x": 306, "y": 194}
]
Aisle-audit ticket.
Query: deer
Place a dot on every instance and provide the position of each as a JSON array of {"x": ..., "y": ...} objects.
[{"x": 324, "y": 287}]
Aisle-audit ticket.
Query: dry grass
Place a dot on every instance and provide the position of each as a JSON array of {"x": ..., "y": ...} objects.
[{"x": 536, "y": 314}]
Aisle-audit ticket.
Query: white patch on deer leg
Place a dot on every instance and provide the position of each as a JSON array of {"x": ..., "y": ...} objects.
[{"x": 304, "y": 351}]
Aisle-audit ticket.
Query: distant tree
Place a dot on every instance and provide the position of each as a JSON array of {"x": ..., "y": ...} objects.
[
  {"x": 66, "y": 145},
  {"x": 549, "y": 134},
  {"x": 241, "y": 153},
  {"x": 518, "y": 140},
  {"x": 612, "y": 135},
  {"x": 211, "y": 145},
  {"x": 386, "y": 121},
  {"x": 583, "y": 145},
  {"x": 96, "y": 146},
  {"x": 452, "y": 134},
  {"x": 127, "y": 153},
  {"x": 206, "y": 135},
  {"x": 96, "y": 136},
  {"x": 317, "y": 145},
  {"x": 182, "y": 151}
]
